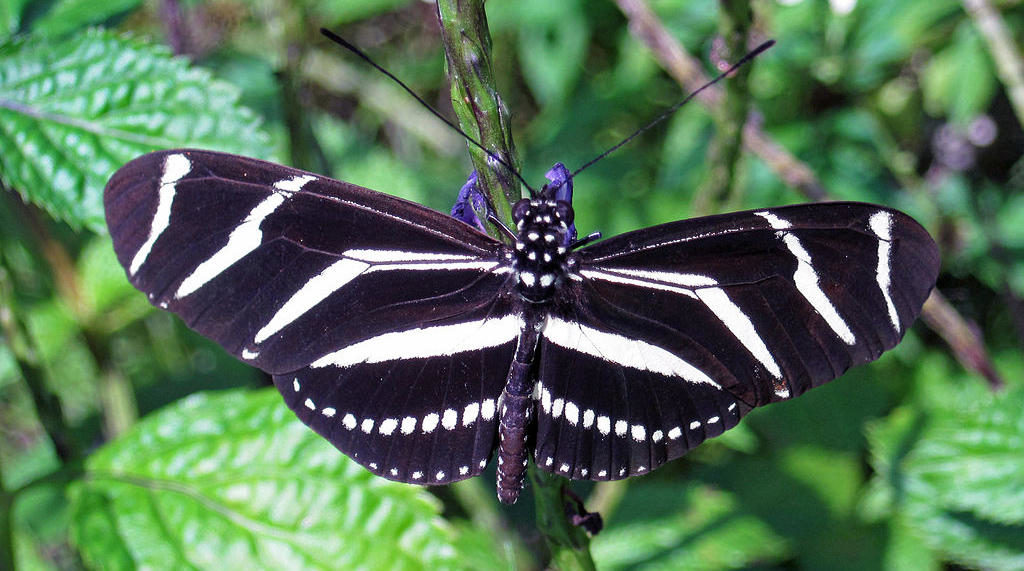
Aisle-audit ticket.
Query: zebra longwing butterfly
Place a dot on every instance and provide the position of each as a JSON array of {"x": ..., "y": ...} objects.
[{"x": 417, "y": 344}]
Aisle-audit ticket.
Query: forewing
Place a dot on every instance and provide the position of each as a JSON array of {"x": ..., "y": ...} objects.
[
  {"x": 281, "y": 266},
  {"x": 673, "y": 332}
]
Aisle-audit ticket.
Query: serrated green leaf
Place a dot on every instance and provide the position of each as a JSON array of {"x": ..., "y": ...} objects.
[
  {"x": 974, "y": 460},
  {"x": 691, "y": 526},
  {"x": 956, "y": 478},
  {"x": 889, "y": 441},
  {"x": 70, "y": 15},
  {"x": 962, "y": 536},
  {"x": 233, "y": 481},
  {"x": 73, "y": 111}
]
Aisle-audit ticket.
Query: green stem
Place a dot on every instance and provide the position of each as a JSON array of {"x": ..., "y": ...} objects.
[
  {"x": 305, "y": 151},
  {"x": 735, "y": 19},
  {"x": 999, "y": 37},
  {"x": 606, "y": 497},
  {"x": 478, "y": 501},
  {"x": 569, "y": 544},
  {"x": 116, "y": 393},
  {"x": 481, "y": 112},
  {"x": 287, "y": 22}
]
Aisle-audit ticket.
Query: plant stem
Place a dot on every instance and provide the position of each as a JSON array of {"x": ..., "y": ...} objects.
[
  {"x": 569, "y": 544},
  {"x": 607, "y": 496},
  {"x": 726, "y": 149},
  {"x": 173, "y": 19},
  {"x": 965, "y": 340},
  {"x": 116, "y": 393},
  {"x": 481, "y": 112},
  {"x": 478, "y": 501},
  {"x": 286, "y": 22},
  {"x": 1007, "y": 58}
]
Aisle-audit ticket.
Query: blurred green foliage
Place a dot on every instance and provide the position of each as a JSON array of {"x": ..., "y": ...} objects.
[{"x": 911, "y": 462}]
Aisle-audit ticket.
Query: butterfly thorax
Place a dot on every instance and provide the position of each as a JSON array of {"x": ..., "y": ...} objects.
[{"x": 542, "y": 256}]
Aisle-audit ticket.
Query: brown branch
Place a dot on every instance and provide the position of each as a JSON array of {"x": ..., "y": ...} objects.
[
  {"x": 725, "y": 150},
  {"x": 1009, "y": 65},
  {"x": 685, "y": 69},
  {"x": 173, "y": 17},
  {"x": 964, "y": 340}
]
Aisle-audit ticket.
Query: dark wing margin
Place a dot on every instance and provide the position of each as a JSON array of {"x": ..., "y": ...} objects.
[
  {"x": 676, "y": 331},
  {"x": 363, "y": 306}
]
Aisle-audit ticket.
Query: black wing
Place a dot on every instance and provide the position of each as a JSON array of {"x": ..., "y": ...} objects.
[
  {"x": 668, "y": 335},
  {"x": 379, "y": 319}
]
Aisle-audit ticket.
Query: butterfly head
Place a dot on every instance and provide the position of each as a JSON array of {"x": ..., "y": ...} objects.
[{"x": 542, "y": 246}]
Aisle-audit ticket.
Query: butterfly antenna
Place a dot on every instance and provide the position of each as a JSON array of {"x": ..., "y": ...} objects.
[
  {"x": 742, "y": 61},
  {"x": 345, "y": 44}
]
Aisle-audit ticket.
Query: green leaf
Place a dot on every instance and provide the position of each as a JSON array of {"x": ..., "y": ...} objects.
[
  {"x": 904, "y": 549},
  {"x": 684, "y": 526},
  {"x": 70, "y": 15},
  {"x": 475, "y": 545},
  {"x": 889, "y": 442},
  {"x": 338, "y": 13},
  {"x": 102, "y": 279},
  {"x": 955, "y": 478},
  {"x": 549, "y": 50},
  {"x": 233, "y": 481},
  {"x": 959, "y": 81},
  {"x": 1010, "y": 221},
  {"x": 72, "y": 111},
  {"x": 10, "y": 17},
  {"x": 834, "y": 477},
  {"x": 29, "y": 553},
  {"x": 885, "y": 32},
  {"x": 962, "y": 536},
  {"x": 974, "y": 459}
]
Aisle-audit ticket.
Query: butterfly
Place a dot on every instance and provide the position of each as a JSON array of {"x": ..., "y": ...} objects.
[{"x": 418, "y": 345}]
